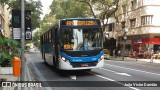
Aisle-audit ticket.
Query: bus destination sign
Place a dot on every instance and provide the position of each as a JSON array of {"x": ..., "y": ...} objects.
[{"x": 79, "y": 22}]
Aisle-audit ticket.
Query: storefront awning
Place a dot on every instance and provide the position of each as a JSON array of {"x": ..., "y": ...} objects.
[
  {"x": 147, "y": 41},
  {"x": 151, "y": 41}
]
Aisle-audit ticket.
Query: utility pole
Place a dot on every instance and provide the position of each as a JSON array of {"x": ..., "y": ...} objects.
[
  {"x": 125, "y": 30},
  {"x": 22, "y": 78}
]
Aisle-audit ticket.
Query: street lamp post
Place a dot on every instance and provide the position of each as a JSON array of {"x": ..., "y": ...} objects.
[{"x": 125, "y": 30}]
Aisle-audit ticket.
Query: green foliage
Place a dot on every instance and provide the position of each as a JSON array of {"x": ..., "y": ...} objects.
[
  {"x": 5, "y": 59},
  {"x": 46, "y": 23},
  {"x": 68, "y": 9},
  {"x": 8, "y": 49},
  {"x": 106, "y": 51},
  {"x": 36, "y": 39},
  {"x": 105, "y": 8},
  {"x": 4, "y": 1}
]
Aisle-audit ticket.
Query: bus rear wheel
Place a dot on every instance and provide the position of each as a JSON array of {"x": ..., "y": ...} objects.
[{"x": 44, "y": 58}]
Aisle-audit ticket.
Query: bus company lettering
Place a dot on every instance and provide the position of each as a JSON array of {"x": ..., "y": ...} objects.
[
  {"x": 81, "y": 23},
  {"x": 26, "y": 84},
  {"x": 77, "y": 60}
]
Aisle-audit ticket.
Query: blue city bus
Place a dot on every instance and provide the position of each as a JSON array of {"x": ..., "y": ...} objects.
[{"x": 73, "y": 44}]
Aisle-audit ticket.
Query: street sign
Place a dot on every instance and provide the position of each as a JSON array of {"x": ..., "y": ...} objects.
[
  {"x": 28, "y": 34},
  {"x": 16, "y": 33}
]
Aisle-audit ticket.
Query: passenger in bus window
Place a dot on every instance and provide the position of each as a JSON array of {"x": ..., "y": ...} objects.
[{"x": 86, "y": 44}]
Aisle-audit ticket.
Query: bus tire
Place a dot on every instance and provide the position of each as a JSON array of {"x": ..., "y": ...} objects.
[
  {"x": 44, "y": 58},
  {"x": 54, "y": 65}
]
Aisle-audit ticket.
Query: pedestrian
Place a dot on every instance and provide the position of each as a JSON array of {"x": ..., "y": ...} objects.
[
  {"x": 119, "y": 52},
  {"x": 152, "y": 56},
  {"x": 86, "y": 44},
  {"x": 114, "y": 53}
]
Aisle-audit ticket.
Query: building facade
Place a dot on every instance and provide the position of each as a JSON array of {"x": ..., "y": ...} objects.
[
  {"x": 141, "y": 19},
  {"x": 109, "y": 40},
  {"x": 5, "y": 30}
]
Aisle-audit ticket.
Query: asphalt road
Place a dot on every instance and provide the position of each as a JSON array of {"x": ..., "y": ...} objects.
[{"x": 113, "y": 71}]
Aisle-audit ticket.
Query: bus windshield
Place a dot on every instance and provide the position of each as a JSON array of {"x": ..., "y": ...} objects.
[{"x": 79, "y": 39}]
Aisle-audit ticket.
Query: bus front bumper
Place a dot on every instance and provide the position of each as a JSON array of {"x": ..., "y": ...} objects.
[{"x": 67, "y": 66}]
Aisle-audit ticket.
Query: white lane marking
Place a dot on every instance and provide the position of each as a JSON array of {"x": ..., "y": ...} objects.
[
  {"x": 73, "y": 77},
  {"x": 149, "y": 66},
  {"x": 111, "y": 80},
  {"x": 101, "y": 76},
  {"x": 142, "y": 64},
  {"x": 28, "y": 75},
  {"x": 134, "y": 88},
  {"x": 134, "y": 69},
  {"x": 125, "y": 74}
]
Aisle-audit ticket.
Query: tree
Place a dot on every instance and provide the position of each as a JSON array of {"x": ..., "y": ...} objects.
[
  {"x": 103, "y": 8},
  {"x": 68, "y": 9},
  {"x": 46, "y": 23},
  {"x": 4, "y": 1}
]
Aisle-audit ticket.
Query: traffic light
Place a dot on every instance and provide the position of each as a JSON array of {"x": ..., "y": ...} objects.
[
  {"x": 16, "y": 22},
  {"x": 16, "y": 19},
  {"x": 28, "y": 32},
  {"x": 125, "y": 30},
  {"x": 27, "y": 19}
]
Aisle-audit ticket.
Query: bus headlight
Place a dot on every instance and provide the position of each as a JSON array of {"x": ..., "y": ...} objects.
[
  {"x": 64, "y": 59},
  {"x": 101, "y": 58}
]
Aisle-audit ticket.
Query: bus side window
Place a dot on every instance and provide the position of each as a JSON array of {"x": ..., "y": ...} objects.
[
  {"x": 47, "y": 38},
  {"x": 44, "y": 39}
]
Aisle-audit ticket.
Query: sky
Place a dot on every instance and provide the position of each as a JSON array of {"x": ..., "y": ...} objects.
[{"x": 45, "y": 8}]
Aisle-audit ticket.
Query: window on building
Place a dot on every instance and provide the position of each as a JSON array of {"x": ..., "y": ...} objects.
[
  {"x": 1, "y": 23},
  {"x": 133, "y": 23},
  {"x": 123, "y": 24},
  {"x": 111, "y": 26},
  {"x": 124, "y": 8},
  {"x": 146, "y": 20},
  {"x": 133, "y": 4},
  {"x": 139, "y": 3}
]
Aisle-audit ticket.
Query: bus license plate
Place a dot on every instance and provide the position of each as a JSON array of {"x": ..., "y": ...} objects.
[{"x": 85, "y": 65}]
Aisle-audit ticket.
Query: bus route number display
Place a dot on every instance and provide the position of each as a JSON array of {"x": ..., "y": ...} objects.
[
  {"x": 81, "y": 23},
  {"x": 68, "y": 46}
]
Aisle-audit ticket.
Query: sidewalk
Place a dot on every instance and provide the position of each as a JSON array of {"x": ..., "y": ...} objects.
[
  {"x": 6, "y": 75},
  {"x": 134, "y": 59}
]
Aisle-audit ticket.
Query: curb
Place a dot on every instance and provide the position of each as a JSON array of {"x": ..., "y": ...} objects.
[
  {"x": 134, "y": 59},
  {"x": 148, "y": 60},
  {"x": 39, "y": 76},
  {"x": 6, "y": 70}
]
